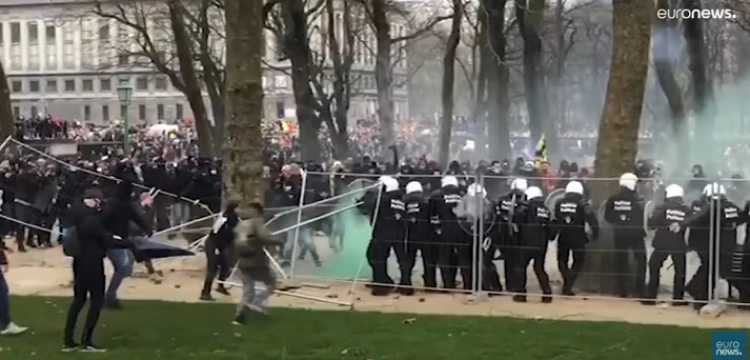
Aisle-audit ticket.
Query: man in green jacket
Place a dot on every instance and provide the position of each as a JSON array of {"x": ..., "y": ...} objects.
[{"x": 251, "y": 238}]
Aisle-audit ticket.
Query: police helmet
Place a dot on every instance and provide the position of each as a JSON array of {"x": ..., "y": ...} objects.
[
  {"x": 574, "y": 187},
  {"x": 714, "y": 189},
  {"x": 519, "y": 184},
  {"x": 390, "y": 183},
  {"x": 449, "y": 181},
  {"x": 674, "y": 191},
  {"x": 414, "y": 187},
  {"x": 628, "y": 181},
  {"x": 533, "y": 193}
]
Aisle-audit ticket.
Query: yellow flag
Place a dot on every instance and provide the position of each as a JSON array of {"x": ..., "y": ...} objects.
[{"x": 540, "y": 155}]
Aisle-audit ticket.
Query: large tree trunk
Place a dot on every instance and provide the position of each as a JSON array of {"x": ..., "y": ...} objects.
[
  {"x": 703, "y": 96},
  {"x": 528, "y": 15},
  {"x": 617, "y": 145},
  {"x": 7, "y": 124},
  {"x": 243, "y": 159},
  {"x": 498, "y": 81},
  {"x": 297, "y": 49},
  {"x": 189, "y": 77},
  {"x": 449, "y": 75},
  {"x": 663, "y": 32},
  {"x": 384, "y": 74}
]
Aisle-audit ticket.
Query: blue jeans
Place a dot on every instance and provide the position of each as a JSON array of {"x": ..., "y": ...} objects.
[
  {"x": 4, "y": 302},
  {"x": 122, "y": 260}
]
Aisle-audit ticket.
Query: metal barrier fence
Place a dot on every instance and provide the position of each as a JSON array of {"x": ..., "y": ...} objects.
[{"x": 478, "y": 250}]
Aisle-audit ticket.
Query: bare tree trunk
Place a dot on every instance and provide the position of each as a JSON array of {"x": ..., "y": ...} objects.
[
  {"x": 703, "y": 96},
  {"x": 189, "y": 77},
  {"x": 498, "y": 79},
  {"x": 479, "y": 113},
  {"x": 529, "y": 20},
  {"x": 297, "y": 48},
  {"x": 617, "y": 145},
  {"x": 663, "y": 64},
  {"x": 243, "y": 159},
  {"x": 384, "y": 74},
  {"x": 7, "y": 125},
  {"x": 449, "y": 75}
]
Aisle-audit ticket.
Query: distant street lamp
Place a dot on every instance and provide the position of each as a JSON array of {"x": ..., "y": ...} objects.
[{"x": 124, "y": 93}]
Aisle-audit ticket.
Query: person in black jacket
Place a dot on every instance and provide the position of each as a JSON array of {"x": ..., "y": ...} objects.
[
  {"x": 572, "y": 213},
  {"x": 218, "y": 251},
  {"x": 118, "y": 213},
  {"x": 535, "y": 232},
  {"x": 93, "y": 242},
  {"x": 624, "y": 211}
]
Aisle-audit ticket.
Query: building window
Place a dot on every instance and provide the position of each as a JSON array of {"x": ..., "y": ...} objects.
[
  {"x": 160, "y": 112},
  {"x": 16, "y": 111},
  {"x": 50, "y": 34},
  {"x": 87, "y": 45},
  {"x": 16, "y": 86},
  {"x": 105, "y": 112},
  {"x": 160, "y": 83},
  {"x": 123, "y": 59},
  {"x": 70, "y": 85},
  {"x": 88, "y": 85},
  {"x": 15, "y": 33},
  {"x": 141, "y": 84},
  {"x": 105, "y": 84},
  {"x": 51, "y": 86},
  {"x": 34, "y": 111},
  {"x": 86, "y": 113},
  {"x": 68, "y": 48},
  {"x": 178, "y": 111},
  {"x": 34, "y": 86},
  {"x": 33, "y": 33},
  {"x": 142, "y": 112},
  {"x": 280, "y": 110},
  {"x": 33, "y": 60}
]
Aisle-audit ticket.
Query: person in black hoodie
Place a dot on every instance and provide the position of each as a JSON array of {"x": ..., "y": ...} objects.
[
  {"x": 118, "y": 213},
  {"x": 93, "y": 242},
  {"x": 218, "y": 248}
]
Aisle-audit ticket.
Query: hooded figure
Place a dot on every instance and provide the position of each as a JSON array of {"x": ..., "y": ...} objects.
[
  {"x": 218, "y": 248},
  {"x": 624, "y": 211},
  {"x": 118, "y": 213}
]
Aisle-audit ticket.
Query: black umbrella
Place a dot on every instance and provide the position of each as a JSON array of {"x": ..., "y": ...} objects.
[{"x": 148, "y": 250}]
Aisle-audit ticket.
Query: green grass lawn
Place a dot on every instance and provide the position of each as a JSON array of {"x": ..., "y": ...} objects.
[{"x": 162, "y": 330}]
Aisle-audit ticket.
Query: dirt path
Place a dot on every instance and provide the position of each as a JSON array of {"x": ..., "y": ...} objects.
[{"x": 46, "y": 272}]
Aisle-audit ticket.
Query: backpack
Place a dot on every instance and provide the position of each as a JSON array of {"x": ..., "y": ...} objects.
[{"x": 71, "y": 246}]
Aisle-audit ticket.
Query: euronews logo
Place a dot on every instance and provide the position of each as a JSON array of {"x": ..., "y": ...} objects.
[
  {"x": 729, "y": 345},
  {"x": 703, "y": 14},
  {"x": 728, "y": 348}
]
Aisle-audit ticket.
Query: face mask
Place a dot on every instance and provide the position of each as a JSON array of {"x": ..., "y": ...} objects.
[
  {"x": 213, "y": 172},
  {"x": 287, "y": 188}
]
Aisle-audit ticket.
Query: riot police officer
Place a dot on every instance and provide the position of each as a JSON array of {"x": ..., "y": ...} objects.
[
  {"x": 417, "y": 224},
  {"x": 388, "y": 228},
  {"x": 668, "y": 243},
  {"x": 507, "y": 232},
  {"x": 572, "y": 214},
  {"x": 536, "y": 231},
  {"x": 624, "y": 210},
  {"x": 716, "y": 233},
  {"x": 446, "y": 226}
]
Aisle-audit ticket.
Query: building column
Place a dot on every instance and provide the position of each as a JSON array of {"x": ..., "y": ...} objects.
[{"x": 42, "y": 40}]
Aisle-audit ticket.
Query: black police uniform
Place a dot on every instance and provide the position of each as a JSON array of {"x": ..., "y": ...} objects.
[
  {"x": 535, "y": 232},
  {"x": 668, "y": 243},
  {"x": 572, "y": 214},
  {"x": 625, "y": 211}
]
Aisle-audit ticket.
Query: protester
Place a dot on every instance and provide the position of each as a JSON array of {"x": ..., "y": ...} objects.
[
  {"x": 251, "y": 240},
  {"x": 93, "y": 242},
  {"x": 7, "y": 326}
]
